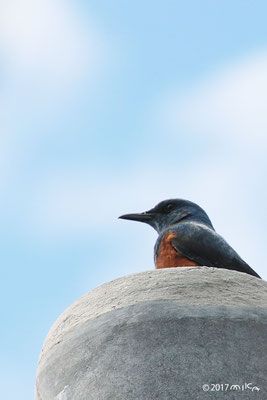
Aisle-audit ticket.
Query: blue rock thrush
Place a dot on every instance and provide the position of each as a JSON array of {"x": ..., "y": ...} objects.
[{"x": 187, "y": 238}]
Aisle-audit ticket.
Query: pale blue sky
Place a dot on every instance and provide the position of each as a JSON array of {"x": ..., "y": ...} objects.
[{"x": 109, "y": 107}]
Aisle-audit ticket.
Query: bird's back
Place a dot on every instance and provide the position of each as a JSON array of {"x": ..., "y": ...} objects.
[{"x": 192, "y": 244}]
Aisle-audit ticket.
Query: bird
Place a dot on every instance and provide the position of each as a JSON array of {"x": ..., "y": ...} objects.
[{"x": 186, "y": 237}]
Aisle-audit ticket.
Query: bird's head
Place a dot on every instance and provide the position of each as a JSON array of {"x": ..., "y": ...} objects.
[{"x": 170, "y": 212}]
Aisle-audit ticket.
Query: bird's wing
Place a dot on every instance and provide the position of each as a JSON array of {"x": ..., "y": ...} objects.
[{"x": 204, "y": 246}]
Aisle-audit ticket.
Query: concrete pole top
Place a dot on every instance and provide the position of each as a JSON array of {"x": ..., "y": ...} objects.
[{"x": 189, "y": 286}]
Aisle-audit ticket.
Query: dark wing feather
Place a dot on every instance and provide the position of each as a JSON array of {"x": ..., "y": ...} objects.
[{"x": 204, "y": 246}]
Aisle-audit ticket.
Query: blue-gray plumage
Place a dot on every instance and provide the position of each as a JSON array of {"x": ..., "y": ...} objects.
[{"x": 187, "y": 238}]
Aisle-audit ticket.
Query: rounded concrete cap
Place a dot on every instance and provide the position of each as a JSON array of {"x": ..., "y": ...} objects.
[{"x": 170, "y": 334}]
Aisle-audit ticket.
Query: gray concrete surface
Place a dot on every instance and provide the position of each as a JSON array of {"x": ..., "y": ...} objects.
[{"x": 160, "y": 334}]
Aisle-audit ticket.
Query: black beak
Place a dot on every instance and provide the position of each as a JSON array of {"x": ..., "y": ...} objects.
[{"x": 142, "y": 217}]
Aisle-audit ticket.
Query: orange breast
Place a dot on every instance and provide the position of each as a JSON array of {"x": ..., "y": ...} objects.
[{"x": 168, "y": 257}]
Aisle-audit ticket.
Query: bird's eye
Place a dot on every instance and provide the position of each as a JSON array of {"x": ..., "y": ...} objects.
[{"x": 169, "y": 207}]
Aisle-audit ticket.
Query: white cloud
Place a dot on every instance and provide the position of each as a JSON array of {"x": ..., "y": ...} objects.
[
  {"x": 47, "y": 42},
  {"x": 228, "y": 112},
  {"x": 47, "y": 51},
  {"x": 230, "y": 104},
  {"x": 226, "y": 185}
]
